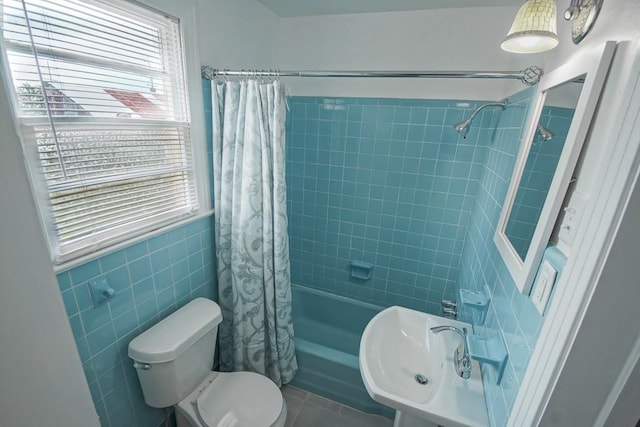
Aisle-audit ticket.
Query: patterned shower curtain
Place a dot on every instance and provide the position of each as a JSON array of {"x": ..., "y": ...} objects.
[{"x": 252, "y": 244}]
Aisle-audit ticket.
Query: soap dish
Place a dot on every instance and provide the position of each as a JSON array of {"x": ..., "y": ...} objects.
[
  {"x": 489, "y": 350},
  {"x": 475, "y": 299},
  {"x": 478, "y": 300},
  {"x": 361, "y": 270}
]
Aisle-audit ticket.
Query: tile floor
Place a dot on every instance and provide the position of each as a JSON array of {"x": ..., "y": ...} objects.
[{"x": 310, "y": 410}]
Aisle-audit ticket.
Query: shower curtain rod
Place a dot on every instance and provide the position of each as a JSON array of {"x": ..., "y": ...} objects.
[{"x": 529, "y": 76}]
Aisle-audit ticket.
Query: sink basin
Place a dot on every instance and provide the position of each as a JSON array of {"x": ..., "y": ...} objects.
[{"x": 397, "y": 345}]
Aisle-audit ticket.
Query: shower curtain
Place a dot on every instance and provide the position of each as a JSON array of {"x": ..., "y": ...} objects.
[{"x": 252, "y": 244}]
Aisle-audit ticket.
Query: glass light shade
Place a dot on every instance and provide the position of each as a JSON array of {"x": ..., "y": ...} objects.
[{"x": 533, "y": 29}]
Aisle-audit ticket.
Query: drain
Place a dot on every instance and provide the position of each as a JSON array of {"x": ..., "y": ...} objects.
[{"x": 421, "y": 379}]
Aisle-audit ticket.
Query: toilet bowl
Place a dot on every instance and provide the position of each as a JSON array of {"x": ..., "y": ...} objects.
[
  {"x": 173, "y": 360},
  {"x": 233, "y": 399}
]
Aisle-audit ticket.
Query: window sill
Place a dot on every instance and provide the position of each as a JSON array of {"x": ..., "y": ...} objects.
[{"x": 68, "y": 265}]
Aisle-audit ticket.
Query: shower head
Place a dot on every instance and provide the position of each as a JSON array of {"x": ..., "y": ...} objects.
[
  {"x": 463, "y": 127},
  {"x": 544, "y": 133}
]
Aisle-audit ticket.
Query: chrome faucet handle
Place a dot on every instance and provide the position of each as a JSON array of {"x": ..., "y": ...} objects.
[
  {"x": 450, "y": 312},
  {"x": 461, "y": 359},
  {"x": 449, "y": 304},
  {"x": 464, "y": 360}
]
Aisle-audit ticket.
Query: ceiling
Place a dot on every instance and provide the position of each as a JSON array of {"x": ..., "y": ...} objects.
[{"x": 289, "y": 8}]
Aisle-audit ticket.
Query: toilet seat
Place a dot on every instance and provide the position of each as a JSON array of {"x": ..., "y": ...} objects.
[{"x": 236, "y": 399}]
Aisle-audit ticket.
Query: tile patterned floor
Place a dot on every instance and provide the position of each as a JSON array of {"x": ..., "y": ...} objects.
[{"x": 306, "y": 409}]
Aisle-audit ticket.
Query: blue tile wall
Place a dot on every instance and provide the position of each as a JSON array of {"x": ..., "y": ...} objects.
[
  {"x": 511, "y": 314},
  {"x": 152, "y": 279},
  {"x": 384, "y": 181},
  {"x": 536, "y": 178}
]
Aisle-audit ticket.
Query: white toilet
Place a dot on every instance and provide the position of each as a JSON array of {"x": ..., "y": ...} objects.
[{"x": 174, "y": 359}]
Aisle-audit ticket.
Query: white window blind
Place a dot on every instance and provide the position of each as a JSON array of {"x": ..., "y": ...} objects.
[{"x": 102, "y": 103}]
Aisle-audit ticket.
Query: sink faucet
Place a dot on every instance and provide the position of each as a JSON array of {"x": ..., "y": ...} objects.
[{"x": 461, "y": 359}]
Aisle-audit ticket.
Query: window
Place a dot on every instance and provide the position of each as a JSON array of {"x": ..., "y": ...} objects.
[{"x": 103, "y": 110}]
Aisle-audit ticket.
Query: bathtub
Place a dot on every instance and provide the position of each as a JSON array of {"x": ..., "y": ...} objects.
[{"x": 327, "y": 331}]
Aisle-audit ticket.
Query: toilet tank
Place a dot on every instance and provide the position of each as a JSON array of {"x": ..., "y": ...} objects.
[{"x": 173, "y": 356}]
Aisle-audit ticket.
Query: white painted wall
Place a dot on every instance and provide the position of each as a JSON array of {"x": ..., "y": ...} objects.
[
  {"x": 605, "y": 340},
  {"x": 236, "y": 34},
  {"x": 624, "y": 409},
  {"x": 441, "y": 39},
  {"x": 618, "y": 20},
  {"x": 607, "y": 330},
  {"x": 338, "y": 7},
  {"x": 41, "y": 378}
]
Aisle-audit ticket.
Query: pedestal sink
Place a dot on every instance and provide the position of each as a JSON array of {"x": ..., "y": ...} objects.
[{"x": 408, "y": 367}]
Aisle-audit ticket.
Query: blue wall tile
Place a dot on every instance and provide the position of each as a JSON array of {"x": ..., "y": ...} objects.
[
  {"x": 152, "y": 279},
  {"x": 85, "y": 272},
  {"x": 511, "y": 314},
  {"x": 381, "y": 181}
]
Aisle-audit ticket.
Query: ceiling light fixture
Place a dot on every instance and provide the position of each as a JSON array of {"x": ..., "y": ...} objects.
[
  {"x": 533, "y": 29},
  {"x": 583, "y": 14}
]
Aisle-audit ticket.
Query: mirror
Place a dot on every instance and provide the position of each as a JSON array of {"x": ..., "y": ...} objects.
[
  {"x": 542, "y": 160},
  {"x": 552, "y": 140}
]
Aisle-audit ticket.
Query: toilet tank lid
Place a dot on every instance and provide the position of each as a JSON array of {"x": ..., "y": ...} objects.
[{"x": 170, "y": 337}]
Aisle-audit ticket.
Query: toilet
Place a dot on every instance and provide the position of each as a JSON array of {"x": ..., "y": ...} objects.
[{"x": 174, "y": 359}]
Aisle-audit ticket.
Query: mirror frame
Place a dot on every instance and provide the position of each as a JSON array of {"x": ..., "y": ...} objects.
[{"x": 593, "y": 64}]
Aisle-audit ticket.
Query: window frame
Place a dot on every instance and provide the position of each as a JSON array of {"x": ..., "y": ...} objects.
[{"x": 186, "y": 14}]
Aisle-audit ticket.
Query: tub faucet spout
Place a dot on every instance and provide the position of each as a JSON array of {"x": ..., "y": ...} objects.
[{"x": 461, "y": 359}]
